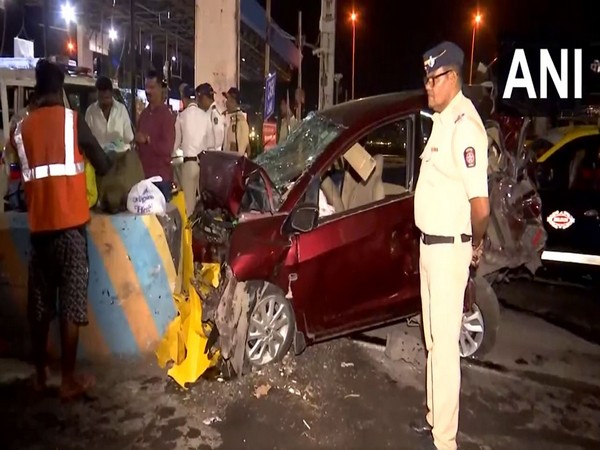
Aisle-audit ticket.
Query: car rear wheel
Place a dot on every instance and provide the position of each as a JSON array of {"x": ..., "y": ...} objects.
[
  {"x": 480, "y": 323},
  {"x": 271, "y": 327}
]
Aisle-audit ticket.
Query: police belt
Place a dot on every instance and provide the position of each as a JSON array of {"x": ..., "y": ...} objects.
[
  {"x": 429, "y": 239},
  {"x": 190, "y": 158}
]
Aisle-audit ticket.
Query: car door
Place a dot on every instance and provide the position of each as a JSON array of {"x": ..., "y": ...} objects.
[
  {"x": 360, "y": 267},
  {"x": 569, "y": 183}
]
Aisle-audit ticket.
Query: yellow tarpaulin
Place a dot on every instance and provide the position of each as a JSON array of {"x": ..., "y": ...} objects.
[
  {"x": 185, "y": 339},
  {"x": 90, "y": 183}
]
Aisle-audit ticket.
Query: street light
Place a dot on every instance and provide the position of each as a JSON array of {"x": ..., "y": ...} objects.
[
  {"x": 68, "y": 13},
  {"x": 353, "y": 19},
  {"x": 70, "y": 47},
  {"x": 112, "y": 34},
  {"x": 476, "y": 23}
]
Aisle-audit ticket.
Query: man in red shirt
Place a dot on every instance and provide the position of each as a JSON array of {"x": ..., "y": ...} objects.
[{"x": 156, "y": 136}]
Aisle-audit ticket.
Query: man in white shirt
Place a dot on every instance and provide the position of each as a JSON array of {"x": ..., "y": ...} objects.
[
  {"x": 108, "y": 119},
  {"x": 191, "y": 129},
  {"x": 215, "y": 136}
]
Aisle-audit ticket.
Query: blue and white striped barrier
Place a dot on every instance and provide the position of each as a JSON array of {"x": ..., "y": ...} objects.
[{"x": 130, "y": 293}]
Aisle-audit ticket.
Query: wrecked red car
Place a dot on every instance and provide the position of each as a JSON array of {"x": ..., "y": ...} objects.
[{"x": 316, "y": 238}]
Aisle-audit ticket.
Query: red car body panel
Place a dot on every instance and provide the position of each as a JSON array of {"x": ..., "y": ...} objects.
[
  {"x": 365, "y": 267},
  {"x": 223, "y": 175}
]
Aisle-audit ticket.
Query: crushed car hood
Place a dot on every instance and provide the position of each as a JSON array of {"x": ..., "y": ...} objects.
[{"x": 224, "y": 180}]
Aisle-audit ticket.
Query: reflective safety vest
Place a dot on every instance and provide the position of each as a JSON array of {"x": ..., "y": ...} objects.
[{"x": 53, "y": 169}]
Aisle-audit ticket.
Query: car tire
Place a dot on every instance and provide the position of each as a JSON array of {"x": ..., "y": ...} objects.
[
  {"x": 489, "y": 308},
  {"x": 486, "y": 311},
  {"x": 272, "y": 320}
]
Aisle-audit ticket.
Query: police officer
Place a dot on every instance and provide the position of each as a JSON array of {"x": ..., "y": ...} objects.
[
  {"x": 237, "y": 137},
  {"x": 215, "y": 135},
  {"x": 451, "y": 211}
]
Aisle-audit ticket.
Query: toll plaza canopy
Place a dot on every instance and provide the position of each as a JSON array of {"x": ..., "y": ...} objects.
[{"x": 169, "y": 26}]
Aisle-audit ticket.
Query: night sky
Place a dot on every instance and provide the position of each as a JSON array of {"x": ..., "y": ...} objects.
[{"x": 393, "y": 34}]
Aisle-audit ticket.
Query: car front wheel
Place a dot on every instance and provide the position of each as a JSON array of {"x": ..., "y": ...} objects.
[
  {"x": 480, "y": 323},
  {"x": 271, "y": 327}
]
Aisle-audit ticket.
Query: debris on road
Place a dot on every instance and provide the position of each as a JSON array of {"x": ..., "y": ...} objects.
[
  {"x": 305, "y": 423},
  {"x": 262, "y": 390},
  {"x": 347, "y": 364},
  {"x": 294, "y": 391},
  {"x": 212, "y": 420},
  {"x": 352, "y": 396}
]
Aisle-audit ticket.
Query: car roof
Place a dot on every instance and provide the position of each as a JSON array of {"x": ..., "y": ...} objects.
[
  {"x": 561, "y": 136},
  {"x": 26, "y": 77},
  {"x": 373, "y": 108}
]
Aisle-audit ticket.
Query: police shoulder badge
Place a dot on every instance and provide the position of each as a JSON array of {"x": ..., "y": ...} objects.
[
  {"x": 469, "y": 155},
  {"x": 216, "y": 120},
  {"x": 233, "y": 127}
]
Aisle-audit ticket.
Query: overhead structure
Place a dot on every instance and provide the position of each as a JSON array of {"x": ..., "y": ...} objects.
[
  {"x": 166, "y": 28},
  {"x": 326, "y": 53}
]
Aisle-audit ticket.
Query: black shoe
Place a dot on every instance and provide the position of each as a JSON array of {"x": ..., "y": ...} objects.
[{"x": 420, "y": 427}]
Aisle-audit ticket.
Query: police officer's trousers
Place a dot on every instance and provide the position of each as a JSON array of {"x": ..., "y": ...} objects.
[
  {"x": 444, "y": 274},
  {"x": 190, "y": 178}
]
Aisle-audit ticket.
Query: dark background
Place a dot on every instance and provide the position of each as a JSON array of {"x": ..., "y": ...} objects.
[{"x": 392, "y": 35}]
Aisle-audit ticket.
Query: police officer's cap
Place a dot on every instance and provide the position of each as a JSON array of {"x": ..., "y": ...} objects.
[
  {"x": 233, "y": 93},
  {"x": 188, "y": 91},
  {"x": 443, "y": 55},
  {"x": 205, "y": 89}
]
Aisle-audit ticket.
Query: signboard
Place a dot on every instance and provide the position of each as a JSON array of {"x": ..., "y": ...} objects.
[
  {"x": 99, "y": 43},
  {"x": 269, "y": 135},
  {"x": 23, "y": 48},
  {"x": 270, "y": 96}
]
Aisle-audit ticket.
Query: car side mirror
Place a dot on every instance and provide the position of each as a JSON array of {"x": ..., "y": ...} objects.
[{"x": 304, "y": 218}]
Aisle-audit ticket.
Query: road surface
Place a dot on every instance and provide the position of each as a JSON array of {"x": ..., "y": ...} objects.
[{"x": 538, "y": 389}]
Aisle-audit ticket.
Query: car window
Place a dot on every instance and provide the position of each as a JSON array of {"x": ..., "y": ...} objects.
[
  {"x": 573, "y": 167},
  {"x": 390, "y": 141},
  {"x": 585, "y": 168}
]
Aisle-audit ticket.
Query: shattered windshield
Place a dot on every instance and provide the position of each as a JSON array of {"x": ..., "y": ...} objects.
[{"x": 285, "y": 163}]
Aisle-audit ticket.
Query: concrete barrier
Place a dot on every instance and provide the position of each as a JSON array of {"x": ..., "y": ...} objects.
[{"x": 130, "y": 293}]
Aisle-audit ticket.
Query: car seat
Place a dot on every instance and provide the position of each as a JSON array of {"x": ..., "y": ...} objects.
[
  {"x": 332, "y": 194},
  {"x": 357, "y": 193}
]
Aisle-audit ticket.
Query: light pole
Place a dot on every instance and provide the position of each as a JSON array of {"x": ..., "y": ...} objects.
[
  {"x": 353, "y": 18},
  {"x": 475, "y": 25}
]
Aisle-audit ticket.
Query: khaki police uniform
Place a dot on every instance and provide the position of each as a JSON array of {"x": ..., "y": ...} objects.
[
  {"x": 237, "y": 137},
  {"x": 453, "y": 171}
]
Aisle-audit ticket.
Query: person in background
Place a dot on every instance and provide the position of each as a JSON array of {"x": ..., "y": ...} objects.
[
  {"x": 452, "y": 212},
  {"x": 288, "y": 121},
  {"x": 215, "y": 135},
  {"x": 9, "y": 186},
  {"x": 51, "y": 143},
  {"x": 237, "y": 137},
  {"x": 109, "y": 120},
  {"x": 10, "y": 154},
  {"x": 190, "y": 135},
  {"x": 156, "y": 136}
]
